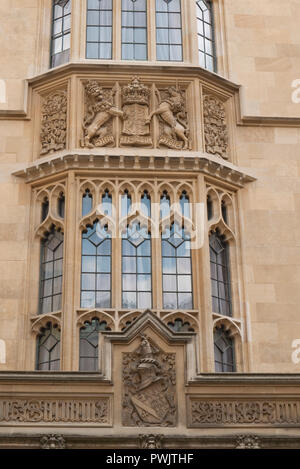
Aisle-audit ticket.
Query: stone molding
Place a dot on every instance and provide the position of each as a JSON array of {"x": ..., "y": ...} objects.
[{"x": 242, "y": 412}]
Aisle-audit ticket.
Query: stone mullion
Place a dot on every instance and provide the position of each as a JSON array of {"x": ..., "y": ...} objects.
[
  {"x": 68, "y": 306},
  {"x": 151, "y": 33},
  {"x": 117, "y": 29},
  {"x": 117, "y": 256},
  {"x": 204, "y": 286},
  {"x": 77, "y": 24},
  {"x": 156, "y": 259}
]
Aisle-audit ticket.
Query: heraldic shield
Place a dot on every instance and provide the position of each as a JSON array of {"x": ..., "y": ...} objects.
[{"x": 149, "y": 386}]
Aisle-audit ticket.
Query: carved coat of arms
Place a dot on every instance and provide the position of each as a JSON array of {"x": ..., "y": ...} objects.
[
  {"x": 149, "y": 392},
  {"x": 136, "y": 129}
]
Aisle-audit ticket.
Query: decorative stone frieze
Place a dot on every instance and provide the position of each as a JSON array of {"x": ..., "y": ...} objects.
[
  {"x": 149, "y": 394},
  {"x": 151, "y": 441},
  {"x": 53, "y": 441},
  {"x": 135, "y": 107},
  {"x": 204, "y": 413},
  {"x": 173, "y": 119},
  {"x": 99, "y": 111},
  {"x": 54, "y": 122},
  {"x": 215, "y": 126},
  {"x": 94, "y": 411},
  {"x": 247, "y": 442}
]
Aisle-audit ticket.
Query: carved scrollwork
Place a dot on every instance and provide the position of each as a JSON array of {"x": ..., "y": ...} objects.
[
  {"x": 54, "y": 122},
  {"x": 173, "y": 120},
  {"x": 149, "y": 393},
  {"x": 99, "y": 111},
  {"x": 215, "y": 126},
  {"x": 42, "y": 321}
]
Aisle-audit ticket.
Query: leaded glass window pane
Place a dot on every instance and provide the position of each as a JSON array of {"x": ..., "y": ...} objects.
[
  {"x": 87, "y": 202},
  {"x": 48, "y": 349},
  {"x": 99, "y": 29},
  {"x": 224, "y": 351},
  {"x": 168, "y": 30},
  {"x": 61, "y": 32},
  {"x": 51, "y": 272},
  {"x": 136, "y": 268},
  {"x": 134, "y": 30},
  {"x": 220, "y": 275},
  {"x": 96, "y": 267},
  {"x": 88, "y": 344},
  {"x": 176, "y": 269},
  {"x": 206, "y": 41}
]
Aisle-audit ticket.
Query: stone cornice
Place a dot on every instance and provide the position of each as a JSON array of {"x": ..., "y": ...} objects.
[{"x": 146, "y": 160}]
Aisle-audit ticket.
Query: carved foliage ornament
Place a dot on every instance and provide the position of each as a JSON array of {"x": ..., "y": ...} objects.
[
  {"x": 151, "y": 441},
  {"x": 247, "y": 442},
  {"x": 54, "y": 122},
  {"x": 215, "y": 126},
  {"x": 149, "y": 395},
  {"x": 173, "y": 121},
  {"x": 53, "y": 441}
]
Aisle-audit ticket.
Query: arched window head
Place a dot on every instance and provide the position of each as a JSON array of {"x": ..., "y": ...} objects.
[
  {"x": 87, "y": 202},
  {"x": 134, "y": 30},
  {"x": 125, "y": 203},
  {"x": 99, "y": 23},
  {"x": 220, "y": 274},
  {"x": 224, "y": 351},
  {"x": 224, "y": 211},
  {"x": 89, "y": 342},
  {"x": 61, "y": 205},
  {"x": 164, "y": 205},
  {"x": 48, "y": 349},
  {"x": 209, "y": 206},
  {"x": 185, "y": 204},
  {"x": 206, "y": 40},
  {"x": 107, "y": 203},
  {"x": 146, "y": 204},
  {"x": 136, "y": 268},
  {"x": 45, "y": 209},
  {"x": 179, "y": 326},
  {"x": 177, "y": 269},
  {"x": 168, "y": 30},
  {"x": 61, "y": 32},
  {"x": 51, "y": 268},
  {"x": 96, "y": 267}
]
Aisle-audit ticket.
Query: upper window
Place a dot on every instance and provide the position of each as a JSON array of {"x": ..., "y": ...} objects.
[
  {"x": 134, "y": 29},
  {"x": 168, "y": 30},
  {"x": 220, "y": 274},
  {"x": 206, "y": 44},
  {"x": 99, "y": 29},
  {"x": 61, "y": 32}
]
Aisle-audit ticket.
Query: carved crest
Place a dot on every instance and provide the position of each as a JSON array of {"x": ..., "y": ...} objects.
[
  {"x": 149, "y": 378},
  {"x": 136, "y": 129},
  {"x": 173, "y": 120},
  {"x": 99, "y": 111},
  {"x": 215, "y": 127},
  {"x": 54, "y": 122}
]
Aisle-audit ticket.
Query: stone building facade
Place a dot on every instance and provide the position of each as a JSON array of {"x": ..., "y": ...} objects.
[{"x": 149, "y": 220}]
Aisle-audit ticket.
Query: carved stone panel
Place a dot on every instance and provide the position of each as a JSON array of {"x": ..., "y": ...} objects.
[
  {"x": 173, "y": 119},
  {"x": 135, "y": 106},
  {"x": 205, "y": 413},
  {"x": 93, "y": 411},
  {"x": 54, "y": 122},
  {"x": 215, "y": 126},
  {"x": 149, "y": 387},
  {"x": 98, "y": 117}
]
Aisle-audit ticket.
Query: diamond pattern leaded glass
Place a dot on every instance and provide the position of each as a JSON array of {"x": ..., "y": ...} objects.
[
  {"x": 177, "y": 269},
  {"x": 206, "y": 42},
  {"x": 96, "y": 267},
  {"x": 224, "y": 351},
  {"x": 48, "y": 349},
  {"x": 89, "y": 341}
]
